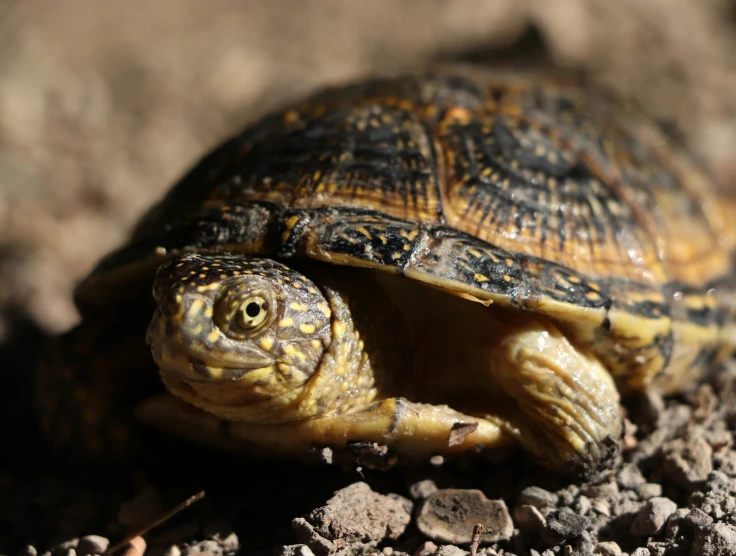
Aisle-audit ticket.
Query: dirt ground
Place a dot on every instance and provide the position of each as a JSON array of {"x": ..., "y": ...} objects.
[{"x": 103, "y": 105}]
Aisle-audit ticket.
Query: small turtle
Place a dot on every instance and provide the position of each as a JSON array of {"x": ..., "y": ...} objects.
[{"x": 444, "y": 263}]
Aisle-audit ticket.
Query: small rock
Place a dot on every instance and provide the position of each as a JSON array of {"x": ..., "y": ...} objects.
[
  {"x": 606, "y": 490},
  {"x": 641, "y": 551},
  {"x": 529, "y": 519},
  {"x": 674, "y": 523},
  {"x": 687, "y": 462},
  {"x": 566, "y": 523},
  {"x": 92, "y": 544},
  {"x": 354, "y": 515},
  {"x": 652, "y": 517},
  {"x": 718, "y": 539},
  {"x": 697, "y": 519},
  {"x": 649, "y": 490},
  {"x": 426, "y": 549},
  {"x": 537, "y": 497},
  {"x": 29, "y": 550},
  {"x": 449, "y": 550},
  {"x": 305, "y": 532},
  {"x": 65, "y": 548},
  {"x": 630, "y": 477},
  {"x": 173, "y": 550},
  {"x": 296, "y": 550},
  {"x": 725, "y": 461},
  {"x": 608, "y": 548},
  {"x": 421, "y": 489},
  {"x": 449, "y": 516},
  {"x": 583, "y": 505}
]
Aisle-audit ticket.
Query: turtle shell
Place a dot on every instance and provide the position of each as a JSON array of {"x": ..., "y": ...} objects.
[{"x": 533, "y": 192}]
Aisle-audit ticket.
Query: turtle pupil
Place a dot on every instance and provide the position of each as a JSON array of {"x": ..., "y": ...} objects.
[{"x": 252, "y": 309}]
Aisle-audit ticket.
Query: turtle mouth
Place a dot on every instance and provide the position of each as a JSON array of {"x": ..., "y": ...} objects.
[
  {"x": 188, "y": 365},
  {"x": 193, "y": 359}
]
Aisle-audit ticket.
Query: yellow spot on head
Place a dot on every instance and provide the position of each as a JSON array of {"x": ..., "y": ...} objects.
[
  {"x": 286, "y": 322},
  {"x": 267, "y": 343},
  {"x": 307, "y": 328},
  {"x": 298, "y": 306},
  {"x": 322, "y": 306},
  {"x": 213, "y": 336}
]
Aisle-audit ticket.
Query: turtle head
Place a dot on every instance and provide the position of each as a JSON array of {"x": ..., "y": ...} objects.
[{"x": 231, "y": 334}]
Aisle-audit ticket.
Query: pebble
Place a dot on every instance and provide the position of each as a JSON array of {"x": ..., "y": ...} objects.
[
  {"x": 652, "y": 517},
  {"x": 718, "y": 539},
  {"x": 426, "y": 549},
  {"x": 608, "y": 548},
  {"x": 296, "y": 550},
  {"x": 29, "y": 550},
  {"x": 421, "y": 489},
  {"x": 448, "y": 550},
  {"x": 687, "y": 463},
  {"x": 354, "y": 514},
  {"x": 697, "y": 519},
  {"x": 537, "y": 497},
  {"x": 449, "y": 516},
  {"x": 529, "y": 519},
  {"x": 92, "y": 544},
  {"x": 566, "y": 523},
  {"x": 630, "y": 477},
  {"x": 641, "y": 551},
  {"x": 649, "y": 490}
]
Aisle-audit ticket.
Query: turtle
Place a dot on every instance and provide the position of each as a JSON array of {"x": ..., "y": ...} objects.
[{"x": 457, "y": 261}]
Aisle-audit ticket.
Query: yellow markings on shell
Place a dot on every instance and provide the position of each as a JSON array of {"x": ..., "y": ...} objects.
[
  {"x": 267, "y": 343},
  {"x": 475, "y": 253},
  {"x": 291, "y": 350},
  {"x": 286, "y": 322},
  {"x": 480, "y": 278},
  {"x": 213, "y": 336},
  {"x": 312, "y": 290},
  {"x": 322, "y": 306},
  {"x": 410, "y": 235},
  {"x": 307, "y": 328},
  {"x": 298, "y": 306},
  {"x": 195, "y": 308},
  {"x": 507, "y": 278},
  {"x": 316, "y": 344},
  {"x": 573, "y": 279},
  {"x": 363, "y": 231},
  {"x": 592, "y": 296},
  {"x": 290, "y": 223}
]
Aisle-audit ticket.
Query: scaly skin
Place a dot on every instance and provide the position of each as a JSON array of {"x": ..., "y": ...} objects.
[{"x": 293, "y": 366}]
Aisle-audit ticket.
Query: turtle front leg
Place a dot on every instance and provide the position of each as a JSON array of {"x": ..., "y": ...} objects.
[
  {"x": 411, "y": 431},
  {"x": 564, "y": 403}
]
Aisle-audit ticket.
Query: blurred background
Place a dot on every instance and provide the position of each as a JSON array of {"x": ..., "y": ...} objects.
[{"x": 104, "y": 104}]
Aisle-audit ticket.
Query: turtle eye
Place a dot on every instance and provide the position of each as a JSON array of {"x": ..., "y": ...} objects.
[{"x": 252, "y": 312}]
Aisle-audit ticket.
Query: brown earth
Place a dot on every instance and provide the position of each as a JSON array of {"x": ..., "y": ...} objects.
[{"x": 103, "y": 104}]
